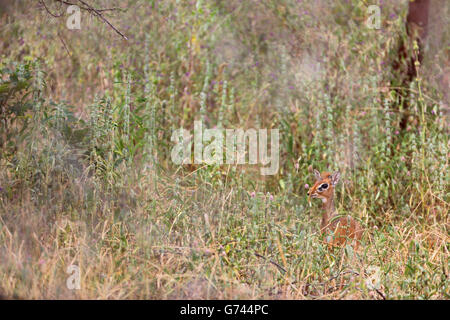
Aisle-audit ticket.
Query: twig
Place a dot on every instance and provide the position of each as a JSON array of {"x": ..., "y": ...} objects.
[
  {"x": 272, "y": 262},
  {"x": 87, "y": 7},
  {"x": 97, "y": 12},
  {"x": 48, "y": 10},
  {"x": 64, "y": 44},
  {"x": 380, "y": 293}
]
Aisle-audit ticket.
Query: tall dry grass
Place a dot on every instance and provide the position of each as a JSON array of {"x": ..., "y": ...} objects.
[{"x": 86, "y": 177}]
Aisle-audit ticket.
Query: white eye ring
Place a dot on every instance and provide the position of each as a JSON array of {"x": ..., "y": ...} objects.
[{"x": 323, "y": 186}]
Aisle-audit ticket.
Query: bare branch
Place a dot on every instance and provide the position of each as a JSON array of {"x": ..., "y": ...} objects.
[
  {"x": 283, "y": 270},
  {"x": 48, "y": 10},
  {"x": 64, "y": 44},
  {"x": 87, "y": 7},
  {"x": 98, "y": 14}
]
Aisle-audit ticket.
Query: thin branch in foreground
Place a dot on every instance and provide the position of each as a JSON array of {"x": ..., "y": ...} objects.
[
  {"x": 42, "y": 2},
  {"x": 87, "y": 7},
  {"x": 64, "y": 44},
  {"x": 272, "y": 262},
  {"x": 98, "y": 14}
]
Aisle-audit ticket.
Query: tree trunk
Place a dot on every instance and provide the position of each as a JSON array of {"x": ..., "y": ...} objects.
[{"x": 417, "y": 30}]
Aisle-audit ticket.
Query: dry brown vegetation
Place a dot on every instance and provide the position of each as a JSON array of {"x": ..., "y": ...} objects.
[{"x": 89, "y": 180}]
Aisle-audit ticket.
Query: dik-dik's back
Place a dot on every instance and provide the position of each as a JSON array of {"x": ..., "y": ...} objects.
[{"x": 336, "y": 229}]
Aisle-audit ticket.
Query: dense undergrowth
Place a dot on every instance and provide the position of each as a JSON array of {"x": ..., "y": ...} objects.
[{"x": 86, "y": 176}]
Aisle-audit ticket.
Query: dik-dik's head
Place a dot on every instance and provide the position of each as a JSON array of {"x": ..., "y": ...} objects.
[{"x": 323, "y": 188}]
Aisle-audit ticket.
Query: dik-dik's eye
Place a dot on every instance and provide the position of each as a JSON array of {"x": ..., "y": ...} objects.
[{"x": 323, "y": 186}]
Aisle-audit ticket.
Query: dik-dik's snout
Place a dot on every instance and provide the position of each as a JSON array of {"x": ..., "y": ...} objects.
[{"x": 311, "y": 193}]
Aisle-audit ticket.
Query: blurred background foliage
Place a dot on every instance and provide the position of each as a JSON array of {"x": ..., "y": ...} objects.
[{"x": 86, "y": 120}]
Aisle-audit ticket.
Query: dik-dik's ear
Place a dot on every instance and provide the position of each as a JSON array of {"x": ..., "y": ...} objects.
[
  {"x": 317, "y": 174},
  {"x": 335, "y": 178}
]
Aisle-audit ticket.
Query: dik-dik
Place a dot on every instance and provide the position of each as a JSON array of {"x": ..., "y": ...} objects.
[{"x": 336, "y": 229}]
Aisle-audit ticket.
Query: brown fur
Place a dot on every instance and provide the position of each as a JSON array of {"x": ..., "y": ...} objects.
[{"x": 335, "y": 229}]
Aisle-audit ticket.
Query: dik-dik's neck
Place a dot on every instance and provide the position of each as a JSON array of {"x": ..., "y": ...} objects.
[{"x": 329, "y": 211}]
